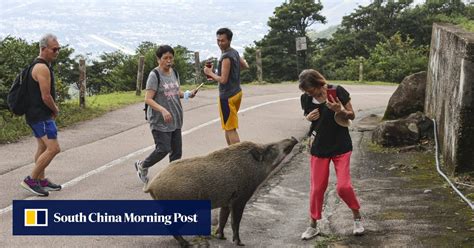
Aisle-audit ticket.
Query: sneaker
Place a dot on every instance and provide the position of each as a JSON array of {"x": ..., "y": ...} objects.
[
  {"x": 310, "y": 233},
  {"x": 49, "y": 186},
  {"x": 33, "y": 186},
  {"x": 141, "y": 172},
  {"x": 358, "y": 228}
]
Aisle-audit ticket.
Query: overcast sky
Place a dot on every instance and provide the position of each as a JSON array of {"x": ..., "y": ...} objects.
[{"x": 95, "y": 26}]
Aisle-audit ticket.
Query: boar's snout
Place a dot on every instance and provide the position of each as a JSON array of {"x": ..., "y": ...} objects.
[{"x": 291, "y": 143}]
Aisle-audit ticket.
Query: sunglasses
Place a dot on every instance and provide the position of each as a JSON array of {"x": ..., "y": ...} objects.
[{"x": 56, "y": 49}]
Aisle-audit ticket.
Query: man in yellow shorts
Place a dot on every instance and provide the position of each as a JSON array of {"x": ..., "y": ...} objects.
[{"x": 228, "y": 78}]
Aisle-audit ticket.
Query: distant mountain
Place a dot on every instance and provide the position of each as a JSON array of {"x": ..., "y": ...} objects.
[
  {"x": 92, "y": 27},
  {"x": 325, "y": 33}
]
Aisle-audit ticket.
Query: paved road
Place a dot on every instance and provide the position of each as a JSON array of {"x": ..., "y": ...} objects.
[{"x": 97, "y": 156}]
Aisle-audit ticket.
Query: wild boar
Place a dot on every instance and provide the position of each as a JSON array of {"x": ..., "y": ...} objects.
[{"x": 227, "y": 177}]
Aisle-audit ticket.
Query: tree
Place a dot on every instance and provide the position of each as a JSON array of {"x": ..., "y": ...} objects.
[
  {"x": 278, "y": 48},
  {"x": 250, "y": 74},
  {"x": 117, "y": 71},
  {"x": 295, "y": 17},
  {"x": 183, "y": 63},
  {"x": 359, "y": 32},
  {"x": 362, "y": 30},
  {"x": 105, "y": 74},
  {"x": 390, "y": 60},
  {"x": 15, "y": 54}
]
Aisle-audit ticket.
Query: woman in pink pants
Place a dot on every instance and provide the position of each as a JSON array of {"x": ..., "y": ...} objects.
[{"x": 329, "y": 109}]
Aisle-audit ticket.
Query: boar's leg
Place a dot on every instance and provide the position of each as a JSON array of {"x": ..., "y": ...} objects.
[
  {"x": 223, "y": 216},
  {"x": 182, "y": 241},
  {"x": 237, "y": 211}
]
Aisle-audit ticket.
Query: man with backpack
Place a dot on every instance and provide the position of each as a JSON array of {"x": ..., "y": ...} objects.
[
  {"x": 40, "y": 114},
  {"x": 164, "y": 111}
]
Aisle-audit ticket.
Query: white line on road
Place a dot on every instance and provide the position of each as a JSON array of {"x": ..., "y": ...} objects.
[{"x": 141, "y": 151}]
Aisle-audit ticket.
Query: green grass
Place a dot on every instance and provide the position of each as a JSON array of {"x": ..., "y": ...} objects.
[
  {"x": 468, "y": 25},
  {"x": 110, "y": 101}
]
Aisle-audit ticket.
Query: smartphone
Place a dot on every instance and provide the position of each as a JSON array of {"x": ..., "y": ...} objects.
[{"x": 331, "y": 92}]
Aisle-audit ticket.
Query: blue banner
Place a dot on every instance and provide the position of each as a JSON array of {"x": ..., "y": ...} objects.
[{"x": 111, "y": 217}]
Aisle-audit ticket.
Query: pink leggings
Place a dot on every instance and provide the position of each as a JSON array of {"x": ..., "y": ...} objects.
[{"x": 319, "y": 183}]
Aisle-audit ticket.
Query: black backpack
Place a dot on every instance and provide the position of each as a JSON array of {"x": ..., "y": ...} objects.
[
  {"x": 158, "y": 77},
  {"x": 17, "y": 98}
]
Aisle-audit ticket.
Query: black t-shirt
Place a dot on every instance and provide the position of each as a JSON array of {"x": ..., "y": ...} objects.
[
  {"x": 37, "y": 110},
  {"x": 331, "y": 139}
]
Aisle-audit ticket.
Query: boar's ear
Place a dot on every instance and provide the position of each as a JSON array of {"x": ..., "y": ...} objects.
[{"x": 257, "y": 153}]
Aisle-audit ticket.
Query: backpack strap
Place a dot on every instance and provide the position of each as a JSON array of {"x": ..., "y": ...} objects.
[
  {"x": 40, "y": 60},
  {"x": 176, "y": 73},
  {"x": 157, "y": 73},
  {"x": 158, "y": 78}
]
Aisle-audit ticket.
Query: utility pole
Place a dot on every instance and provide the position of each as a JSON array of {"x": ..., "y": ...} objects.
[
  {"x": 197, "y": 67},
  {"x": 258, "y": 59},
  {"x": 82, "y": 83},
  {"x": 141, "y": 68}
]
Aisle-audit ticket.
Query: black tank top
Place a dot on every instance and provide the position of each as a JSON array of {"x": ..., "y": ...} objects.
[{"x": 37, "y": 110}]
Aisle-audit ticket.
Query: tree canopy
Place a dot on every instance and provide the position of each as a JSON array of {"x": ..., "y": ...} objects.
[{"x": 278, "y": 47}]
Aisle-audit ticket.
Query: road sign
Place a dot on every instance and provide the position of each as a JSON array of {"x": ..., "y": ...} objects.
[{"x": 300, "y": 43}]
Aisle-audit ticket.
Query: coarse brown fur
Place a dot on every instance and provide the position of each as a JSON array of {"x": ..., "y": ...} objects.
[{"x": 227, "y": 177}]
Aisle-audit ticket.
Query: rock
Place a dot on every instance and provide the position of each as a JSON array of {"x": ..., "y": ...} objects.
[
  {"x": 408, "y": 98},
  {"x": 368, "y": 123},
  {"x": 427, "y": 191},
  {"x": 403, "y": 132}
]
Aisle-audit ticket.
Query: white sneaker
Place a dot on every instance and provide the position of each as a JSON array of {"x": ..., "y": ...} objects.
[
  {"x": 358, "y": 228},
  {"x": 141, "y": 172},
  {"x": 310, "y": 233}
]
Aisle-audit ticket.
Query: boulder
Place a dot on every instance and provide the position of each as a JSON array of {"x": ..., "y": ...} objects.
[
  {"x": 408, "y": 98},
  {"x": 407, "y": 131}
]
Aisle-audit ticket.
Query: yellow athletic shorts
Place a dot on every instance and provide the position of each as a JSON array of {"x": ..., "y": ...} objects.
[{"x": 228, "y": 109}]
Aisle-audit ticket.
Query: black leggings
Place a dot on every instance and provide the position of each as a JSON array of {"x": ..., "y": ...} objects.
[{"x": 165, "y": 142}]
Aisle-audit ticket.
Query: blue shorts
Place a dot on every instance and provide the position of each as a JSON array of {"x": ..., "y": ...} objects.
[{"x": 47, "y": 127}]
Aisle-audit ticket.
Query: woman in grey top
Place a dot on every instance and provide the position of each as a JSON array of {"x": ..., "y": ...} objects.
[{"x": 165, "y": 113}]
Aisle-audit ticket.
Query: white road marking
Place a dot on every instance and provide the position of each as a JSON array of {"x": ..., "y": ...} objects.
[{"x": 149, "y": 148}]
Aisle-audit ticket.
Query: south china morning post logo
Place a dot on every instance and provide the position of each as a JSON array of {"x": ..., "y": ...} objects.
[
  {"x": 104, "y": 217},
  {"x": 111, "y": 217},
  {"x": 36, "y": 217}
]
